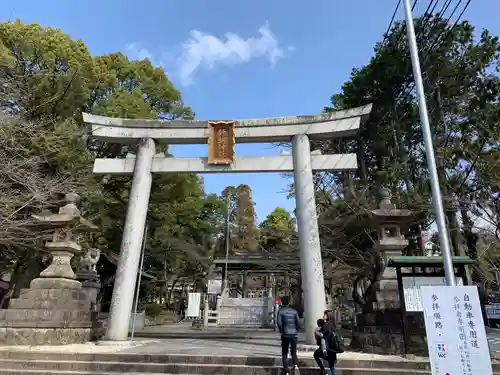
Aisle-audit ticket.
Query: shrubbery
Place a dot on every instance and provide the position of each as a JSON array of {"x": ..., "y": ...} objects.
[{"x": 153, "y": 310}]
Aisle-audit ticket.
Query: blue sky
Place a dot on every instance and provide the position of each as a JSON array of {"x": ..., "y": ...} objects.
[{"x": 239, "y": 59}]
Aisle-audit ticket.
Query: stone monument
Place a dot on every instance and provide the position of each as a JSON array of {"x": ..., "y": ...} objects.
[
  {"x": 379, "y": 328},
  {"x": 54, "y": 310}
]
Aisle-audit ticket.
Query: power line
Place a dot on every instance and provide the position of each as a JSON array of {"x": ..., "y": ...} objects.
[
  {"x": 403, "y": 92},
  {"x": 406, "y": 89},
  {"x": 422, "y": 22},
  {"x": 403, "y": 27},
  {"x": 437, "y": 19},
  {"x": 443, "y": 40},
  {"x": 391, "y": 22},
  {"x": 403, "y": 47}
]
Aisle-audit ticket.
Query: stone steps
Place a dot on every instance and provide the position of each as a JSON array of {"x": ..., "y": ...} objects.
[
  {"x": 308, "y": 361},
  {"x": 275, "y": 372},
  {"x": 91, "y": 368},
  {"x": 27, "y": 362}
]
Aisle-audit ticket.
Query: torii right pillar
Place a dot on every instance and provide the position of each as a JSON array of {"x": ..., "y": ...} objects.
[{"x": 311, "y": 264}]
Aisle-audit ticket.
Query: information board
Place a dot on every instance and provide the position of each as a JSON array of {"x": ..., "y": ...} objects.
[
  {"x": 214, "y": 287},
  {"x": 455, "y": 331},
  {"x": 412, "y": 285},
  {"x": 492, "y": 310},
  {"x": 193, "y": 308}
]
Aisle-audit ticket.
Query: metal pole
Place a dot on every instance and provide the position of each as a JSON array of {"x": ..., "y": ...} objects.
[
  {"x": 228, "y": 229},
  {"x": 139, "y": 282},
  {"x": 429, "y": 150}
]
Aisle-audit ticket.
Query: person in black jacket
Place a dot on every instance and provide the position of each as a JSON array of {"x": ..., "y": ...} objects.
[
  {"x": 288, "y": 325},
  {"x": 325, "y": 337}
]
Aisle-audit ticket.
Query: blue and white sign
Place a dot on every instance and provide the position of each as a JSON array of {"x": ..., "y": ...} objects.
[{"x": 492, "y": 310}]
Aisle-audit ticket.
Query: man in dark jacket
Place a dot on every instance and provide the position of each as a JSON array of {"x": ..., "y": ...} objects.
[
  {"x": 323, "y": 336},
  {"x": 329, "y": 342},
  {"x": 288, "y": 325}
]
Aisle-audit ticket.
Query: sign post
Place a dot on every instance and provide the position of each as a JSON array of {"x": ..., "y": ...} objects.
[{"x": 456, "y": 336}]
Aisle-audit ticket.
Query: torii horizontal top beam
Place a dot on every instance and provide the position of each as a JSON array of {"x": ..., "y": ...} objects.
[
  {"x": 244, "y": 164},
  {"x": 264, "y": 130}
]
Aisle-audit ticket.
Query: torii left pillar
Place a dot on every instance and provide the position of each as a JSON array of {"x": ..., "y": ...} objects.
[
  {"x": 130, "y": 250},
  {"x": 311, "y": 264}
]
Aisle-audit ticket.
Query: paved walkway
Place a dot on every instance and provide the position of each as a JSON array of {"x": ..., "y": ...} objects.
[
  {"x": 185, "y": 331},
  {"x": 264, "y": 337},
  {"x": 192, "y": 346},
  {"x": 231, "y": 343}
]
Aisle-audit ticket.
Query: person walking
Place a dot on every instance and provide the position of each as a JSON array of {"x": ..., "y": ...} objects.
[
  {"x": 329, "y": 342},
  {"x": 288, "y": 326}
]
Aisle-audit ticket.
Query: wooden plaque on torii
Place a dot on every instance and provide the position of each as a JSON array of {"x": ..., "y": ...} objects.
[{"x": 221, "y": 142}]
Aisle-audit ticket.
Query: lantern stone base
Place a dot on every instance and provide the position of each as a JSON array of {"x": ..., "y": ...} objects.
[
  {"x": 382, "y": 333},
  {"x": 379, "y": 328},
  {"x": 49, "y": 316},
  {"x": 45, "y": 336},
  {"x": 388, "y": 340}
]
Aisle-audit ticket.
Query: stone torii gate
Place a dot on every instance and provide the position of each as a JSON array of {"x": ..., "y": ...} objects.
[{"x": 221, "y": 137}]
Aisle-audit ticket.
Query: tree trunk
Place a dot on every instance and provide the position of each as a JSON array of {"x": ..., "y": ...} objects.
[
  {"x": 161, "y": 295},
  {"x": 26, "y": 269},
  {"x": 471, "y": 243},
  {"x": 164, "y": 288},
  {"x": 451, "y": 214},
  {"x": 171, "y": 291},
  {"x": 403, "y": 154},
  {"x": 362, "y": 170},
  {"x": 470, "y": 237}
]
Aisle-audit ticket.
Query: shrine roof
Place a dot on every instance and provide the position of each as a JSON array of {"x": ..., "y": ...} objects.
[
  {"x": 259, "y": 262},
  {"x": 114, "y": 259},
  {"x": 425, "y": 261}
]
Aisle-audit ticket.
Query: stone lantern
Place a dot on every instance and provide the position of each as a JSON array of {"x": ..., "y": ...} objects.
[
  {"x": 379, "y": 328},
  {"x": 389, "y": 222},
  {"x": 54, "y": 310}
]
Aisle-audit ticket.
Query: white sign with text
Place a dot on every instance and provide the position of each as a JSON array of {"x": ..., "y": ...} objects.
[
  {"x": 455, "y": 331},
  {"x": 193, "y": 308},
  {"x": 214, "y": 287},
  {"x": 412, "y": 293}
]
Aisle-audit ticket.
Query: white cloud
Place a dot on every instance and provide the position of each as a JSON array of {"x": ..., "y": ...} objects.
[
  {"x": 136, "y": 52},
  {"x": 202, "y": 50},
  {"x": 205, "y": 50}
]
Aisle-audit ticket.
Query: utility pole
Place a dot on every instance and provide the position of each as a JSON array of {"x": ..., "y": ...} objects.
[
  {"x": 429, "y": 149},
  {"x": 141, "y": 264},
  {"x": 228, "y": 233}
]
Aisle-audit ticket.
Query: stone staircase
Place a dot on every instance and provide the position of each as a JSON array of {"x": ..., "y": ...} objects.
[{"x": 40, "y": 363}]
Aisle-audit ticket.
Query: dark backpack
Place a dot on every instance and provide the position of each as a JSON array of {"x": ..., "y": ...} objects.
[{"x": 335, "y": 342}]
